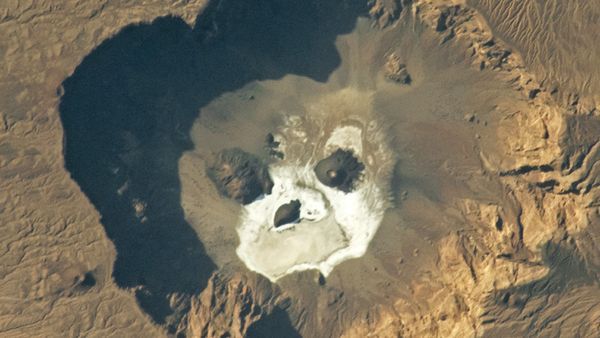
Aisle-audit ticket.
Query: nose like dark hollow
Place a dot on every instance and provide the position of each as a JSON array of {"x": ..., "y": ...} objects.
[{"x": 287, "y": 213}]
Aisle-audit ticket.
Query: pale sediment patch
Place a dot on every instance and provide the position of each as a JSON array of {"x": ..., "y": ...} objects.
[
  {"x": 346, "y": 137},
  {"x": 334, "y": 225}
]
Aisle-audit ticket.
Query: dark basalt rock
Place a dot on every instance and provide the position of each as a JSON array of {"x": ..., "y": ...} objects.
[
  {"x": 240, "y": 176},
  {"x": 287, "y": 213},
  {"x": 272, "y": 147},
  {"x": 340, "y": 170}
]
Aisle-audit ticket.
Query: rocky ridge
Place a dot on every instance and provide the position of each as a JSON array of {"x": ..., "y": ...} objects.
[
  {"x": 551, "y": 197},
  {"x": 232, "y": 305}
]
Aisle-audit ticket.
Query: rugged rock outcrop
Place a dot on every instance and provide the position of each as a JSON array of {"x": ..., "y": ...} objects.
[
  {"x": 386, "y": 12},
  {"x": 236, "y": 305},
  {"x": 396, "y": 71},
  {"x": 240, "y": 176}
]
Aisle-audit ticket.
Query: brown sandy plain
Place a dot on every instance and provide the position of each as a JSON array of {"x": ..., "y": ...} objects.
[{"x": 111, "y": 110}]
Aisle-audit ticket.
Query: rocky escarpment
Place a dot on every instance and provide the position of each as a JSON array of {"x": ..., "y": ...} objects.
[
  {"x": 519, "y": 270},
  {"x": 560, "y": 44},
  {"x": 235, "y": 305}
]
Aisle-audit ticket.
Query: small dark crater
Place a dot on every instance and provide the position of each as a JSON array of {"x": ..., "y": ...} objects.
[
  {"x": 340, "y": 170},
  {"x": 287, "y": 213}
]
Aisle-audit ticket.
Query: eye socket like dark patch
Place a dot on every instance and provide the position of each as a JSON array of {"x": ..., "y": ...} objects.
[
  {"x": 240, "y": 176},
  {"x": 287, "y": 213},
  {"x": 340, "y": 170}
]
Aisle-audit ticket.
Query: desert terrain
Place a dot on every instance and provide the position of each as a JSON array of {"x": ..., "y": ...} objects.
[{"x": 161, "y": 168}]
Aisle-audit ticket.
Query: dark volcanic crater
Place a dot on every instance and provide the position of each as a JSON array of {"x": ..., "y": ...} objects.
[{"x": 339, "y": 170}]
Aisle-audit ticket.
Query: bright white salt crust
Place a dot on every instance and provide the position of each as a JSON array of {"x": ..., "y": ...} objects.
[{"x": 335, "y": 226}]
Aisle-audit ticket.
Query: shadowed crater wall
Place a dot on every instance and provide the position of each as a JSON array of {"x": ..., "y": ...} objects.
[
  {"x": 128, "y": 108},
  {"x": 542, "y": 302}
]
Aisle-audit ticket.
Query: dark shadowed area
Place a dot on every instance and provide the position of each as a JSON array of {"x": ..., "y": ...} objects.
[
  {"x": 543, "y": 301},
  {"x": 277, "y": 324},
  {"x": 128, "y": 107}
]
